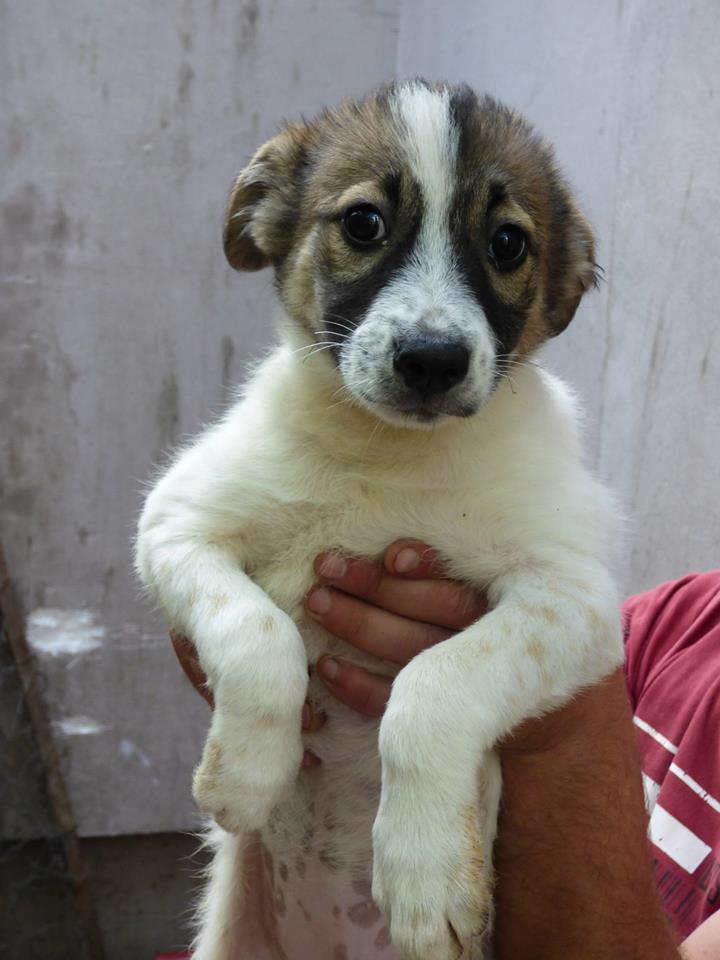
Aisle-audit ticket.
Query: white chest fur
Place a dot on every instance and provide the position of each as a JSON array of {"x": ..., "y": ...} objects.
[{"x": 227, "y": 542}]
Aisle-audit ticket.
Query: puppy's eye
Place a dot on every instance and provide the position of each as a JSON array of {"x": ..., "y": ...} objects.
[
  {"x": 508, "y": 247},
  {"x": 364, "y": 225}
]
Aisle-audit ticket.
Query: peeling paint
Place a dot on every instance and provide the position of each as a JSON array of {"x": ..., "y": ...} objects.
[
  {"x": 79, "y": 726},
  {"x": 64, "y": 632},
  {"x": 129, "y": 751}
]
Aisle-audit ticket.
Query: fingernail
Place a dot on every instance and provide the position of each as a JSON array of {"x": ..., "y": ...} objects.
[
  {"x": 306, "y": 716},
  {"x": 407, "y": 560},
  {"x": 333, "y": 567},
  {"x": 328, "y": 668},
  {"x": 319, "y": 600}
]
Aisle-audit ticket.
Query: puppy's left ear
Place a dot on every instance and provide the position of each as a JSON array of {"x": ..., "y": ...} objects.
[
  {"x": 573, "y": 270},
  {"x": 264, "y": 202}
]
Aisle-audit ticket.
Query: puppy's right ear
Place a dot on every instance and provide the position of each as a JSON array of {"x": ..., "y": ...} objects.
[{"x": 261, "y": 212}]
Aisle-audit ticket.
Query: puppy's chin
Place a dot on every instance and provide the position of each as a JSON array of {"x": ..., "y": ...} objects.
[{"x": 420, "y": 416}]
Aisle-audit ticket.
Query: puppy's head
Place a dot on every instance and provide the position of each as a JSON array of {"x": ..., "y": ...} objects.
[{"x": 423, "y": 236}]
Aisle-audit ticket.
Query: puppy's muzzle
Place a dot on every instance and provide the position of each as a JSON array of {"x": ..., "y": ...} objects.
[{"x": 431, "y": 367}]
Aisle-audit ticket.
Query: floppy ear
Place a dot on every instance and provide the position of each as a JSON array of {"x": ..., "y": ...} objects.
[
  {"x": 573, "y": 270},
  {"x": 264, "y": 201}
]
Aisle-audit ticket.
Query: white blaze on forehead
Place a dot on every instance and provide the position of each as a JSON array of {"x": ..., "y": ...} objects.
[{"x": 431, "y": 141}]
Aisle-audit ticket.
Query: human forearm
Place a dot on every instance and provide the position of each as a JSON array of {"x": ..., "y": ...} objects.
[{"x": 574, "y": 878}]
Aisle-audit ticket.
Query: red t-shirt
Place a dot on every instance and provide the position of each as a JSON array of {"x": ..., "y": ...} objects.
[{"x": 673, "y": 678}]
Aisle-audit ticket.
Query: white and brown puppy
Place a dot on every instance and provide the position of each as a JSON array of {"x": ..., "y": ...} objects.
[{"x": 424, "y": 245}]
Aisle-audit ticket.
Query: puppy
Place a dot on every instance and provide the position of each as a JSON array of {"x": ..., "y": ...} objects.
[{"x": 424, "y": 246}]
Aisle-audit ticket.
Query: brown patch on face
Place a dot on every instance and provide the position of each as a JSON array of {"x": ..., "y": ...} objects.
[
  {"x": 364, "y": 914},
  {"x": 287, "y": 206},
  {"x": 336, "y": 912},
  {"x": 507, "y": 174},
  {"x": 262, "y": 211}
]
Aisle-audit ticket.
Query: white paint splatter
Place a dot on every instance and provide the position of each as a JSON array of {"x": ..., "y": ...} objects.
[
  {"x": 128, "y": 750},
  {"x": 79, "y": 726},
  {"x": 64, "y": 632}
]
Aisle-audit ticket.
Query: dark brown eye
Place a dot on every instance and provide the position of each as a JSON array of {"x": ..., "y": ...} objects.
[
  {"x": 508, "y": 247},
  {"x": 364, "y": 225}
]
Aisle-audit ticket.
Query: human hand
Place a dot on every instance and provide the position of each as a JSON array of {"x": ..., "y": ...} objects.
[{"x": 393, "y": 609}]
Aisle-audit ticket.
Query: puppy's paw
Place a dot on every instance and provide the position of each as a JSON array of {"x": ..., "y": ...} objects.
[
  {"x": 245, "y": 774},
  {"x": 432, "y": 884}
]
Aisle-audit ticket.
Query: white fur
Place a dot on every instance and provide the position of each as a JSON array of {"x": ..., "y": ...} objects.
[
  {"x": 226, "y": 543},
  {"x": 427, "y": 294}
]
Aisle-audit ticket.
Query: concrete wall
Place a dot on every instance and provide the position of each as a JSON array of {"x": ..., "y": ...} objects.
[
  {"x": 630, "y": 94},
  {"x": 122, "y": 328}
]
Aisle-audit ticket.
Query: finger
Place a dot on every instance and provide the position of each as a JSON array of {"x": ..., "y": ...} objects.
[
  {"x": 357, "y": 688},
  {"x": 188, "y": 658},
  {"x": 377, "y": 632},
  {"x": 442, "y": 603},
  {"x": 312, "y": 720},
  {"x": 414, "y": 559}
]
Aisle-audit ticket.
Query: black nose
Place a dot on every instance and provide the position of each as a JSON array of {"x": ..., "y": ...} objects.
[{"x": 432, "y": 366}]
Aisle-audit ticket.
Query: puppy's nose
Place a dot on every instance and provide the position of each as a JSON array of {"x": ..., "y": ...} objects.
[{"x": 432, "y": 366}]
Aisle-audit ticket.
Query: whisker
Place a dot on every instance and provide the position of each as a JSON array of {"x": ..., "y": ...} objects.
[
  {"x": 379, "y": 426},
  {"x": 341, "y": 337},
  {"x": 513, "y": 385}
]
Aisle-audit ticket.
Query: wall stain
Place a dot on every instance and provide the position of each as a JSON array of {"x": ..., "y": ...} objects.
[
  {"x": 227, "y": 348},
  {"x": 167, "y": 415},
  {"x": 185, "y": 79},
  {"x": 247, "y": 27},
  {"x": 18, "y": 217},
  {"x": 20, "y": 501},
  {"x": 15, "y": 138}
]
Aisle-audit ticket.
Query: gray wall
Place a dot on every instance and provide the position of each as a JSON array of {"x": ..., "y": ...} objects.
[{"x": 122, "y": 328}]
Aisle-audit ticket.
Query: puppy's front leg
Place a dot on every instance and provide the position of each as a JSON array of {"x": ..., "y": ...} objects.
[
  {"x": 253, "y": 751},
  {"x": 547, "y": 635},
  {"x": 252, "y": 654}
]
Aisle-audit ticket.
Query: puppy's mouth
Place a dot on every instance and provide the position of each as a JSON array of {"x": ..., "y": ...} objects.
[{"x": 431, "y": 411}]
